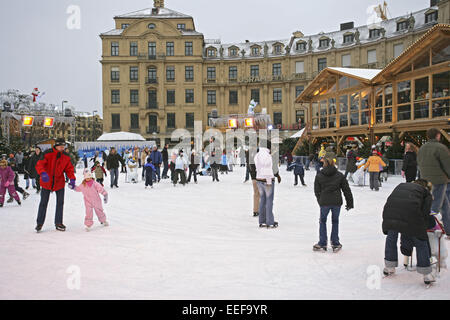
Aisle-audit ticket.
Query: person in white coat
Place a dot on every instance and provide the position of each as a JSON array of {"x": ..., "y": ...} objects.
[{"x": 180, "y": 169}]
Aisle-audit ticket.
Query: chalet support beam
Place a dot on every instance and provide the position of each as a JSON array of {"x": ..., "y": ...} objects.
[{"x": 445, "y": 134}]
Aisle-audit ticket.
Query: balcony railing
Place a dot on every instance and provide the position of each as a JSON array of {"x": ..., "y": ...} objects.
[
  {"x": 211, "y": 80},
  {"x": 153, "y": 129},
  {"x": 134, "y": 130},
  {"x": 152, "y": 105},
  {"x": 151, "y": 80},
  {"x": 143, "y": 56}
]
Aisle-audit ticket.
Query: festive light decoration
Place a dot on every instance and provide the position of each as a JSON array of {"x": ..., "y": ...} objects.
[
  {"x": 27, "y": 121},
  {"x": 249, "y": 122},
  {"x": 49, "y": 122},
  {"x": 232, "y": 123}
]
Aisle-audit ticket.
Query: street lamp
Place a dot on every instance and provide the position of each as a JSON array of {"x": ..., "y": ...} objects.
[
  {"x": 93, "y": 124},
  {"x": 62, "y": 105}
]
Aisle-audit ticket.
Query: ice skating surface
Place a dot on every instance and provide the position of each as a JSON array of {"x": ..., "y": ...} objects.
[{"x": 202, "y": 242}]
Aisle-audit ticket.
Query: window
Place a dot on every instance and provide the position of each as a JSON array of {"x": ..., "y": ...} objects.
[
  {"x": 441, "y": 108},
  {"x": 190, "y": 118},
  {"x": 152, "y": 99},
  {"x": 211, "y": 97},
  {"x": 181, "y": 26},
  {"x": 115, "y": 121},
  {"x": 421, "y": 89},
  {"x": 152, "y": 50},
  {"x": 278, "y": 49},
  {"x": 125, "y": 25},
  {"x": 348, "y": 38},
  {"x": 171, "y": 120},
  {"x": 441, "y": 84},
  {"x": 398, "y": 49},
  {"x": 324, "y": 43},
  {"x": 211, "y": 73},
  {"x": 404, "y": 112},
  {"x": 151, "y": 26},
  {"x": 211, "y": 53},
  {"x": 170, "y": 73},
  {"x": 255, "y": 95},
  {"x": 115, "y": 74},
  {"x": 114, "y": 48},
  {"x": 441, "y": 52},
  {"x": 421, "y": 110},
  {"x": 277, "y": 95},
  {"x": 170, "y": 97},
  {"x": 299, "y": 67},
  {"x": 431, "y": 17},
  {"x": 402, "y": 25},
  {"x": 254, "y": 71},
  {"x": 233, "y": 97},
  {"x": 255, "y": 51},
  {"x": 133, "y": 49},
  {"x": 404, "y": 92},
  {"x": 276, "y": 69},
  {"x": 322, "y": 64},
  {"x": 189, "y": 95},
  {"x": 134, "y": 74},
  {"x": 354, "y": 101},
  {"x": 299, "y": 90},
  {"x": 372, "y": 56},
  {"x": 374, "y": 33},
  {"x": 278, "y": 119},
  {"x": 134, "y": 121},
  {"x": 170, "y": 49},
  {"x": 388, "y": 95},
  {"x": 152, "y": 123},
  {"x": 300, "y": 117},
  {"x": 115, "y": 96},
  {"x": 188, "y": 49},
  {"x": 301, "y": 46},
  {"x": 134, "y": 97},
  {"x": 233, "y": 52},
  {"x": 232, "y": 73},
  {"x": 152, "y": 75},
  {"x": 346, "y": 60},
  {"x": 189, "y": 73}
]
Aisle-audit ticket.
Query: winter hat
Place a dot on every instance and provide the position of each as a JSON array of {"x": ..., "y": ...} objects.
[
  {"x": 87, "y": 174},
  {"x": 60, "y": 142},
  {"x": 374, "y": 151}
]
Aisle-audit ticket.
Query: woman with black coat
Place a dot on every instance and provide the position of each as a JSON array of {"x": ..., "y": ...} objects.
[
  {"x": 34, "y": 158},
  {"x": 409, "y": 169},
  {"x": 328, "y": 185}
]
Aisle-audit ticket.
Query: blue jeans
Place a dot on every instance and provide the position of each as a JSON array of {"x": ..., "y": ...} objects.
[
  {"x": 324, "y": 211},
  {"x": 406, "y": 247},
  {"x": 247, "y": 173},
  {"x": 266, "y": 196},
  {"x": 114, "y": 176},
  {"x": 441, "y": 204},
  {"x": 157, "y": 172},
  {"x": 45, "y": 196}
]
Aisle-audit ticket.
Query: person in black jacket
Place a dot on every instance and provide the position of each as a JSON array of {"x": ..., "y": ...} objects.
[
  {"x": 328, "y": 185},
  {"x": 165, "y": 156},
  {"x": 35, "y": 157},
  {"x": 112, "y": 164},
  {"x": 407, "y": 211},
  {"x": 409, "y": 169},
  {"x": 193, "y": 167}
]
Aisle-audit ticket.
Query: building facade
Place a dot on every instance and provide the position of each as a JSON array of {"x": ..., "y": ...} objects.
[{"x": 160, "y": 74}]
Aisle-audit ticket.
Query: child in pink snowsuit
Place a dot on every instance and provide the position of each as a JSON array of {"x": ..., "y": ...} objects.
[
  {"x": 91, "y": 190},
  {"x": 7, "y": 183}
]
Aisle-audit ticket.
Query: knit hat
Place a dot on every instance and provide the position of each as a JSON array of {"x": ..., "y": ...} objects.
[
  {"x": 60, "y": 142},
  {"x": 87, "y": 174}
]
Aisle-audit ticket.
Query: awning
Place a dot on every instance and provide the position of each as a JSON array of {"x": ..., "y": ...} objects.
[{"x": 298, "y": 134}]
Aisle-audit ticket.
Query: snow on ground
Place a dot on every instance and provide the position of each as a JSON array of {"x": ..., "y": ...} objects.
[{"x": 201, "y": 242}]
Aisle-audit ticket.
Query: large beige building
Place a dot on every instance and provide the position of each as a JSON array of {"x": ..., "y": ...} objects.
[{"x": 160, "y": 74}]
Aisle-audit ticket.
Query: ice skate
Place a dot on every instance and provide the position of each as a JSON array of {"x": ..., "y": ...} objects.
[
  {"x": 88, "y": 229},
  {"x": 19, "y": 202},
  {"x": 263, "y": 225},
  {"x": 60, "y": 227},
  {"x": 318, "y": 247},
  {"x": 25, "y": 195},
  {"x": 429, "y": 279},
  {"x": 336, "y": 248},
  {"x": 38, "y": 228},
  {"x": 105, "y": 224},
  {"x": 10, "y": 200},
  {"x": 406, "y": 261},
  {"x": 388, "y": 271},
  {"x": 1, "y": 205},
  {"x": 256, "y": 214},
  {"x": 274, "y": 226}
]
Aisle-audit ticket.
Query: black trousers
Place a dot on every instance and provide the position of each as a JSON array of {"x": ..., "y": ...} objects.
[
  {"x": 194, "y": 172},
  {"x": 100, "y": 181},
  {"x": 45, "y": 196},
  {"x": 182, "y": 174},
  {"x": 301, "y": 179},
  {"x": 215, "y": 174},
  {"x": 148, "y": 177},
  {"x": 16, "y": 184}
]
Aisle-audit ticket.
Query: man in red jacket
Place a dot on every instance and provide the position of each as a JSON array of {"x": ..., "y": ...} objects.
[{"x": 51, "y": 169}]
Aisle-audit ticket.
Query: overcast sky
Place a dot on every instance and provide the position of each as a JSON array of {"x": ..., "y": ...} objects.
[{"x": 38, "y": 49}]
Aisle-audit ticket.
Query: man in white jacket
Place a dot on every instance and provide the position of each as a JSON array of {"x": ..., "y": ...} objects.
[{"x": 180, "y": 169}]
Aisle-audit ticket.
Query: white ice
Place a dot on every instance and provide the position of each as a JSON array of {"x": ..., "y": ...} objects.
[{"x": 201, "y": 242}]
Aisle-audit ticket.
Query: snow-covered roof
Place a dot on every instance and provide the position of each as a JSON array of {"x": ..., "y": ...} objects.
[
  {"x": 147, "y": 13},
  {"x": 191, "y": 33},
  {"x": 121, "y": 136},
  {"x": 113, "y": 32},
  {"x": 367, "y": 74}
]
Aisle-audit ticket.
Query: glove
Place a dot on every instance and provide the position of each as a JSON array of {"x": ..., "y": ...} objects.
[
  {"x": 105, "y": 199},
  {"x": 45, "y": 177},
  {"x": 279, "y": 179},
  {"x": 7, "y": 183},
  {"x": 348, "y": 207},
  {"x": 72, "y": 184}
]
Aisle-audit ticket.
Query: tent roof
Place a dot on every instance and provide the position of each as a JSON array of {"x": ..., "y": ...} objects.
[{"x": 121, "y": 136}]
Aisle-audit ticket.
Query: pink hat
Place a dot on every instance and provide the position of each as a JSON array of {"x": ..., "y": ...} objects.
[{"x": 87, "y": 174}]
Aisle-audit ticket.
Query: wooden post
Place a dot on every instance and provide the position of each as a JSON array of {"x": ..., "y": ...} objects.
[{"x": 444, "y": 134}]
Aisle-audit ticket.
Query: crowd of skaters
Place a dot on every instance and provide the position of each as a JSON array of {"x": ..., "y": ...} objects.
[{"x": 418, "y": 222}]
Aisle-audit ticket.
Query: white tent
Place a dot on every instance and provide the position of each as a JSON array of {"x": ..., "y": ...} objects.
[
  {"x": 298, "y": 134},
  {"x": 121, "y": 136}
]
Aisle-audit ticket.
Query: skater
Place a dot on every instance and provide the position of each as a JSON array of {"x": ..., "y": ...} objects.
[
  {"x": 132, "y": 172},
  {"x": 299, "y": 171},
  {"x": 91, "y": 190},
  {"x": 434, "y": 164},
  {"x": 144, "y": 154},
  {"x": 193, "y": 167},
  {"x": 112, "y": 164},
  {"x": 266, "y": 171},
  {"x": 149, "y": 168},
  {"x": 165, "y": 157},
  {"x": 351, "y": 162},
  {"x": 328, "y": 185},
  {"x": 157, "y": 160},
  {"x": 407, "y": 211},
  {"x": 19, "y": 189},
  {"x": 85, "y": 160},
  {"x": 289, "y": 159},
  {"x": 51, "y": 169},
  {"x": 213, "y": 162},
  {"x": 35, "y": 157},
  {"x": 27, "y": 176},
  {"x": 100, "y": 172},
  {"x": 180, "y": 169},
  {"x": 7, "y": 183},
  {"x": 224, "y": 163},
  {"x": 375, "y": 165},
  {"x": 409, "y": 169},
  {"x": 253, "y": 174}
]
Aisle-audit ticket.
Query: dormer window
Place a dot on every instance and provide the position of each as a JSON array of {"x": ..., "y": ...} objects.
[
  {"x": 324, "y": 43},
  {"x": 255, "y": 51},
  {"x": 278, "y": 49},
  {"x": 211, "y": 52},
  {"x": 374, "y": 33},
  {"x": 233, "y": 52},
  {"x": 125, "y": 25},
  {"x": 151, "y": 26},
  {"x": 301, "y": 46},
  {"x": 402, "y": 25},
  {"x": 431, "y": 16},
  {"x": 349, "y": 38},
  {"x": 181, "y": 26}
]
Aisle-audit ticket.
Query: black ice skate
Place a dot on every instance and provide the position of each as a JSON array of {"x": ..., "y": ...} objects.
[
  {"x": 38, "y": 228},
  {"x": 263, "y": 225},
  {"x": 19, "y": 203},
  {"x": 388, "y": 271},
  {"x": 60, "y": 227},
  {"x": 1, "y": 205},
  {"x": 318, "y": 247},
  {"x": 255, "y": 214},
  {"x": 274, "y": 226},
  {"x": 25, "y": 195},
  {"x": 336, "y": 248},
  {"x": 10, "y": 200}
]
